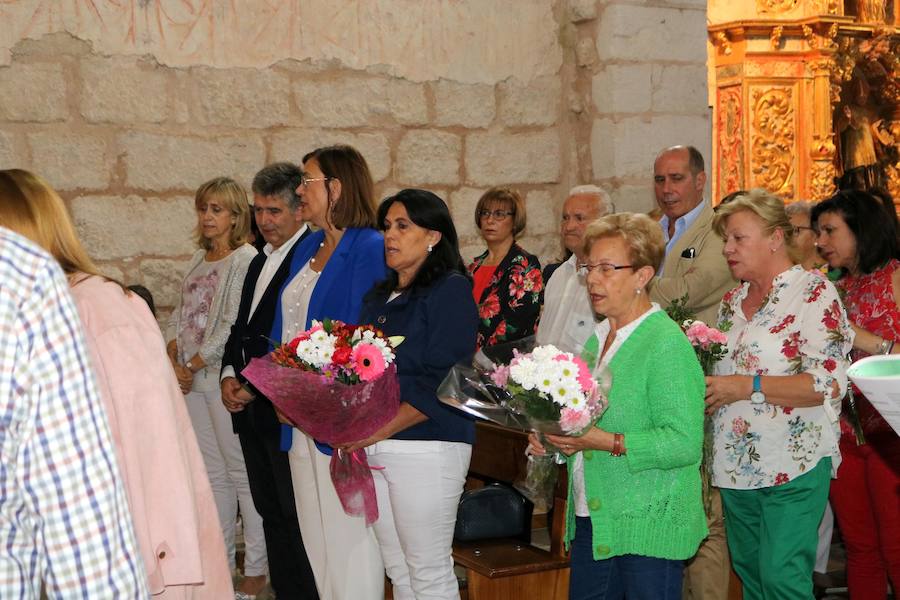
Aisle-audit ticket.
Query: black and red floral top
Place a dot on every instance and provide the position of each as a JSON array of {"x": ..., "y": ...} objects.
[{"x": 510, "y": 306}]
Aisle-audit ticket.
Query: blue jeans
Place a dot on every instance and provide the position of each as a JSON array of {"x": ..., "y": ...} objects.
[{"x": 628, "y": 577}]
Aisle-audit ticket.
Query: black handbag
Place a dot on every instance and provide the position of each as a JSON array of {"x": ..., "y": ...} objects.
[{"x": 493, "y": 511}]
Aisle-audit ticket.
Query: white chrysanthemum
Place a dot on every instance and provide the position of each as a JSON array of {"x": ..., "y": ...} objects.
[
  {"x": 552, "y": 372},
  {"x": 318, "y": 349}
]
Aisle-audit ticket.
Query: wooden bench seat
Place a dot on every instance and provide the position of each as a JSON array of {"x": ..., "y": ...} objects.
[{"x": 507, "y": 568}]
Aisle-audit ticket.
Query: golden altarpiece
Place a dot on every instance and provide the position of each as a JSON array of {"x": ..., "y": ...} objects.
[{"x": 806, "y": 95}]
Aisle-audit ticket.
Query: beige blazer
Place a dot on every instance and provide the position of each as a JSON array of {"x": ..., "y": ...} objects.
[{"x": 704, "y": 278}]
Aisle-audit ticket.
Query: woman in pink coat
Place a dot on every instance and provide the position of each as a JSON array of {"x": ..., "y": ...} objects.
[{"x": 171, "y": 502}]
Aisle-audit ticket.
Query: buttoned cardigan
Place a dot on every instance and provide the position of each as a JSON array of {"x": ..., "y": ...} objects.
[{"x": 648, "y": 501}]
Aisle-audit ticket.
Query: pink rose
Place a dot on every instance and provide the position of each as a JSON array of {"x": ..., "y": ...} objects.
[{"x": 571, "y": 420}]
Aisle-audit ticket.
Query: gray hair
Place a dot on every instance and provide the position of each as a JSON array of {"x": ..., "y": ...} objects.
[
  {"x": 802, "y": 207},
  {"x": 606, "y": 205},
  {"x": 281, "y": 180}
]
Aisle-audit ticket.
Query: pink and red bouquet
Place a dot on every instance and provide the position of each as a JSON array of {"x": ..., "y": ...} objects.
[{"x": 337, "y": 383}]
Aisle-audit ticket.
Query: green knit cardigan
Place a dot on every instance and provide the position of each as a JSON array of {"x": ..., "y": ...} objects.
[{"x": 648, "y": 502}]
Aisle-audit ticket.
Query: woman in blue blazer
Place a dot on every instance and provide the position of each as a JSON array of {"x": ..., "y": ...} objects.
[
  {"x": 425, "y": 449},
  {"x": 330, "y": 272}
]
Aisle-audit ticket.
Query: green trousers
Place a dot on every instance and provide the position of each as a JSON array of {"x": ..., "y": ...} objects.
[{"x": 772, "y": 534}]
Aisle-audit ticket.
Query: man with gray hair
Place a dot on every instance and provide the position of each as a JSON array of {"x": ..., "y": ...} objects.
[
  {"x": 277, "y": 210},
  {"x": 568, "y": 318}
]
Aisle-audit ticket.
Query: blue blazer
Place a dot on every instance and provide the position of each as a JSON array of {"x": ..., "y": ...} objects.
[
  {"x": 355, "y": 266},
  {"x": 439, "y": 324}
]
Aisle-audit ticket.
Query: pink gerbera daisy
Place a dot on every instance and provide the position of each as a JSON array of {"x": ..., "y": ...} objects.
[{"x": 368, "y": 361}]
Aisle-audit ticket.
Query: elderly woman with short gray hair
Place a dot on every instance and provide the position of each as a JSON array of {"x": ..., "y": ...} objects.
[{"x": 635, "y": 511}]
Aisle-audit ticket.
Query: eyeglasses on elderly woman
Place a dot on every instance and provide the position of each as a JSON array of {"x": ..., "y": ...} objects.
[{"x": 605, "y": 269}]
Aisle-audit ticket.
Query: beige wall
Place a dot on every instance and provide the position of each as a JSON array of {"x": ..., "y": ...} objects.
[{"x": 126, "y": 110}]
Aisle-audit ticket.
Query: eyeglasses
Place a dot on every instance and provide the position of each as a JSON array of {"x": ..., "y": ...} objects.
[
  {"x": 498, "y": 215},
  {"x": 305, "y": 181},
  {"x": 606, "y": 269},
  {"x": 799, "y": 228}
]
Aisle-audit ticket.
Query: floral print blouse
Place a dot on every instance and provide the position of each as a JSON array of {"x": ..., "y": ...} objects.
[
  {"x": 801, "y": 327},
  {"x": 510, "y": 306}
]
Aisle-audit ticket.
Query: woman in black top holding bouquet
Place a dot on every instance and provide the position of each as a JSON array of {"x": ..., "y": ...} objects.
[{"x": 425, "y": 449}]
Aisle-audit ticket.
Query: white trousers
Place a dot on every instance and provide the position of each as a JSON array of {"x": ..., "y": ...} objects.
[
  {"x": 418, "y": 495},
  {"x": 221, "y": 450},
  {"x": 342, "y": 551}
]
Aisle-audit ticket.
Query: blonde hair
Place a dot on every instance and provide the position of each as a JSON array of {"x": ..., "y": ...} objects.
[
  {"x": 641, "y": 234},
  {"x": 768, "y": 207},
  {"x": 30, "y": 207},
  {"x": 509, "y": 197},
  {"x": 234, "y": 199}
]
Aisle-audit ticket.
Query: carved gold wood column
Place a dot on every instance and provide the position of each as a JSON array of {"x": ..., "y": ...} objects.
[{"x": 774, "y": 90}]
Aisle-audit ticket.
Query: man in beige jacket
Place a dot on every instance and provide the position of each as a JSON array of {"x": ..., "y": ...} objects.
[{"x": 693, "y": 267}]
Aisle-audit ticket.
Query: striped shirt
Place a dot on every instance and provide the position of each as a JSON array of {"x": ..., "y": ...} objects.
[{"x": 64, "y": 518}]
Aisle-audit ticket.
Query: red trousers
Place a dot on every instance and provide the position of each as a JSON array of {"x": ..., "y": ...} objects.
[{"x": 866, "y": 501}]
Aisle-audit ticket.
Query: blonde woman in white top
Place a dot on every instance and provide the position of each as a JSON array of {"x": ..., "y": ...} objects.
[{"x": 197, "y": 331}]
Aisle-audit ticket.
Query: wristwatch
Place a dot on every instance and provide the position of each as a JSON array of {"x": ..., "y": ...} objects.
[
  {"x": 757, "y": 397},
  {"x": 189, "y": 366}
]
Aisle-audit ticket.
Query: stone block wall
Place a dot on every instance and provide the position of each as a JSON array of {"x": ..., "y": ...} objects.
[{"x": 126, "y": 134}]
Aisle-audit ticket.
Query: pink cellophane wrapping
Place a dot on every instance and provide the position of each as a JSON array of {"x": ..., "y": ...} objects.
[{"x": 333, "y": 413}]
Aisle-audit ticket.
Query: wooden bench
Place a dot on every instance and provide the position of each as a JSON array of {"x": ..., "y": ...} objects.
[{"x": 509, "y": 569}]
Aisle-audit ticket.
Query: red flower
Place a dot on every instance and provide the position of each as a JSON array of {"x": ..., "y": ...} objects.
[
  {"x": 791, "y": 346},
  {"x": 516, "y": 285},
  {"x": 781, "y": 479},
  {"x": 490, "y": 307},
  {"x": 341, "y": 355},
  {"x": 500, "y": 331},
  {"x": 830, "y": 365},
  {"x": 534, "y": 281},
  {"x": 787, "y": 409},
  {"x": 780, "y": 327},
  {"x": 830, "y": 318},
  {"x": 729, "y": 295},
  {"x": 816, "y": 292}
]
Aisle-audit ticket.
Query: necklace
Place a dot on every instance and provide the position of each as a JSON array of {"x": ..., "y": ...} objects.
[
  {"x": 214, "y": 254},
  {"x": 321, "y": 245}
]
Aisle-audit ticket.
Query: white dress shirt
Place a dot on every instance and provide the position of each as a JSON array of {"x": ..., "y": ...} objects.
[
  {"x": 568, "y": 318},
  {"x": 274, "y": 258}
]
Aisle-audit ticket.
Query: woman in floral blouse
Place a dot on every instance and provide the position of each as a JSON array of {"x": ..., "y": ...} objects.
[
  {"x": 775, "y": 431},
  {"x": 866, "y": 493},
  {"x": 507, "y": 282}
]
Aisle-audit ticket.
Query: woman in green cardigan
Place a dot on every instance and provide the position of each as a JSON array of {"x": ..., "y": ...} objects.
[{"x": 635, "y": 512}]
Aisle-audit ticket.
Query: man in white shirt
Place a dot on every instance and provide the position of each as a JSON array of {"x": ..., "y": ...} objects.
[
  {"x": 568, "y": 320},
  {"x": 276, "y": 209},
  {"x": 693, "y": 267}
]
